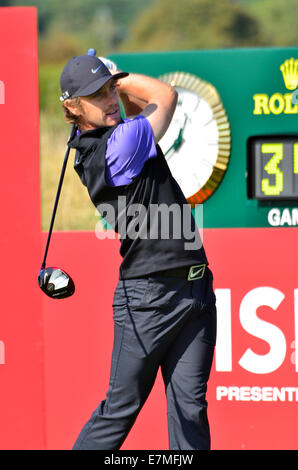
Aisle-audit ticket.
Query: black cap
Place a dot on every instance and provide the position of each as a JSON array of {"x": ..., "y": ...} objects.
[{"x": 84, "y": 75}]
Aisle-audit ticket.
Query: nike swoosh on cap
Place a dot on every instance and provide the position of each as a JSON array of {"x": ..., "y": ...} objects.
[{"x": 95, "y": 70}]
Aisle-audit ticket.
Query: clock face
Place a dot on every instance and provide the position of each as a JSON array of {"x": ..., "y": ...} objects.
[{"x": 197, "y": 142}]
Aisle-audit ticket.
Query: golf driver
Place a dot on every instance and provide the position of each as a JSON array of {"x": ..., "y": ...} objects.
[{"x": 53, "y": 281}]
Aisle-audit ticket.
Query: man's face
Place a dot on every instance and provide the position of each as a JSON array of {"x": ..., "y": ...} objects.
[{"x": 100, "y": 109}]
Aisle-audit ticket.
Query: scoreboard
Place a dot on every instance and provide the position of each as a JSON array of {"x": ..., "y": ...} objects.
[{"x": 273, "y": 168}]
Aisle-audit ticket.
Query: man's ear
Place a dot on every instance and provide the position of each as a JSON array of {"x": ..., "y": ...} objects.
[{"x": 73, "y": 106}]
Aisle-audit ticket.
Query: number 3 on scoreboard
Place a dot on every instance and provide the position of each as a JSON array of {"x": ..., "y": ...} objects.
[{"x": 272, "y": 169}]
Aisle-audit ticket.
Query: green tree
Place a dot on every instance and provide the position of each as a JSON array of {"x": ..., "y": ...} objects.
[
  {"x": 70, "y": 27},
  {"x": 193, "y": 24},
  {"x": 277, "y": 19}
]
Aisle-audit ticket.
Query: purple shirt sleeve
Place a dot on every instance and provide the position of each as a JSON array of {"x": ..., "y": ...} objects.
[{"x": 128, "y": 148}]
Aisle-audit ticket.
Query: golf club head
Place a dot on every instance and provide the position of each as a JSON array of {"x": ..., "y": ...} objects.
[{"x": 55, "y": 283}]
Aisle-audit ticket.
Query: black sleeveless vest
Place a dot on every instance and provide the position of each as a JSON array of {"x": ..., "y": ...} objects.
[{"x": 156, "y": 228}]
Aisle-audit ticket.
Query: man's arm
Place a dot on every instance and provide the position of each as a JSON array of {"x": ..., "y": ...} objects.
[
  {"x": 132, "y": 105},
  {"x": 151, "y": 98}
]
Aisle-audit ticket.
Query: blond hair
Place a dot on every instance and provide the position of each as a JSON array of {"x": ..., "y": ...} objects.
[{"x": 68, "y": 115}]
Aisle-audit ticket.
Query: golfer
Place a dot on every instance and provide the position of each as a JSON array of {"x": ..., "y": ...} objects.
[{"x": 164, "y": 304}]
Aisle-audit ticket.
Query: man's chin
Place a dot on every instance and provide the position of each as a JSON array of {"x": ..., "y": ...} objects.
[{"x": 113, "y": 119}]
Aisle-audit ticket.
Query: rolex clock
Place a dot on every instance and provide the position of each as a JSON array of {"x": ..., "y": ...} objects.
[{"x": 197, "y": 143}]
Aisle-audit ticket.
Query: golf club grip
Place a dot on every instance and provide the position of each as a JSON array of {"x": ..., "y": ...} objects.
[{"x": 71, "y": 135}]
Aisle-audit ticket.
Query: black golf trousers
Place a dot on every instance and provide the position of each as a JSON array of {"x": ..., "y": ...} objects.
[{"x": 158, "y": 322}]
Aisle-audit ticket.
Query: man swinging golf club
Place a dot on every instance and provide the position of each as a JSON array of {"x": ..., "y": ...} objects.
[{"x": 164, "y": 304}]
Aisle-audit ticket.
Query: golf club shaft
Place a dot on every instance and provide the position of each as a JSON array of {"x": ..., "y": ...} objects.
[{"x": 72, "y": 134}]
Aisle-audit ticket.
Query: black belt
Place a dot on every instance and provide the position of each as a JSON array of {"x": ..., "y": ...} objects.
[{"x": 191, "y": 273}]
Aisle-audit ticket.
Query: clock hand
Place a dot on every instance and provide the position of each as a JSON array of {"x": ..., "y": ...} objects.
[{"x": 177, "y": 142}]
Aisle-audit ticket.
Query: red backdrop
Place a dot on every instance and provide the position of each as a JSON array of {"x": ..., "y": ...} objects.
[
  {"x": 254, "y": 373},
  {"x": 22, "y": 413}
]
